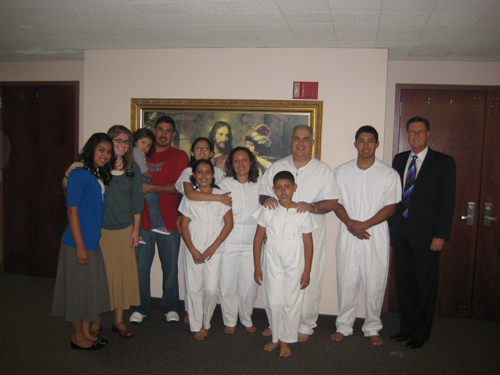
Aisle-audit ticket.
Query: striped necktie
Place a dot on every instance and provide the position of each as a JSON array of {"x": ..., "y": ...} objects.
[{"x": 411, "y": 176}]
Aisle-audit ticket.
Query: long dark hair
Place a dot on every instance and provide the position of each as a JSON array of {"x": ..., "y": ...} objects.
[
  {"x": 217, "y": 126},
  {"x": 253, "y": 174},
  {"x": 192, "y": 160},
  {"x": 207, "y": 162},
  {"x": 87, "y": 155}
]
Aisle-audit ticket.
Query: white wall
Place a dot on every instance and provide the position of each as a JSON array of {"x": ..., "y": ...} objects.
[
  {"x": 45, "y": 71},
  {"x": 435, "y": 73},
  {"x": 352, "y": 84}
]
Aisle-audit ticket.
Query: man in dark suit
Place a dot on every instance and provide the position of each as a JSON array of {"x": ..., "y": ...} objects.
[{"x": 419, "y": 227}]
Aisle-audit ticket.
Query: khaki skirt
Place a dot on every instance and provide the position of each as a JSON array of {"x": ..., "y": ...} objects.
[{"x": 121, "y": 267}]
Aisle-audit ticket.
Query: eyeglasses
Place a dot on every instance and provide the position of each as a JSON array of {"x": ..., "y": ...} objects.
[
  {"x": 120, "y": 141},
  {"x": 202, "y": 148}
]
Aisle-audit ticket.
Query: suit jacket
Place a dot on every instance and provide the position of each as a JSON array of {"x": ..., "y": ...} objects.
[{"x": 432, "y": 201}]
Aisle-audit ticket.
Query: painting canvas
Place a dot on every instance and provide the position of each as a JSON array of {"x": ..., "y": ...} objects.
[{"x": 265, "y": 127}]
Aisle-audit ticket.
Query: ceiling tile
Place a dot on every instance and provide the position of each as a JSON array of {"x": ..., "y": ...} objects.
[
  {"x": 408, "y": 5},
  {"x": 355, "y": 6}
]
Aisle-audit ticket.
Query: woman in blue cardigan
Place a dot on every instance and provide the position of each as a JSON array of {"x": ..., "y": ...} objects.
[{"x": 81, "y": 290}]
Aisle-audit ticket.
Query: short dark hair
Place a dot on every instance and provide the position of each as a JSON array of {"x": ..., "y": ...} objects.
[
  {"x": 366, "y": 129},
  {"x": 253, "y": 174},
  {"x": 217, "y": 126},
  {"x": 283, "y": 175},
  {"x": 192, "y": 160},
  {"x": 166, "y": 120},
  {"x": 418, "y": 119},
  {"x": 198, "y": 162},
  {"x": 87, "y": 154},
  {"x": 144, "y": 133}
]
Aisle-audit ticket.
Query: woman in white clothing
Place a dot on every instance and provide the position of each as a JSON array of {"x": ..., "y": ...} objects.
[{"x": 238, "y": 290}]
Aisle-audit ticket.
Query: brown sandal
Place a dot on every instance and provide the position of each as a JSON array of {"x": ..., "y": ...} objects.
[{"x": 123, "y": 331}]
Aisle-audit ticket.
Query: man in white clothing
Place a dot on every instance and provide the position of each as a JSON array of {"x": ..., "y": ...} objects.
[
  {"x": 369, "y": 191},
  {"x": 316, "y": 193}
]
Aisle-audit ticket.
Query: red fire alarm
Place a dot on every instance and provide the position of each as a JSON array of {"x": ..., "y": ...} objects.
[{"x": 305, "y": 90}]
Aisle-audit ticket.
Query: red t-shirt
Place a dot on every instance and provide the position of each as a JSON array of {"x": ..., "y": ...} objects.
[{"x": 166, "y": 167}]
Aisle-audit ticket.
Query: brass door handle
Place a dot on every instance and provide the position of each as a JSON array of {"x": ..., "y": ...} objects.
[{"x": 487, "y": 219}]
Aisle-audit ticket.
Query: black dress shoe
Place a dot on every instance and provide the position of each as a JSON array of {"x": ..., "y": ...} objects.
[
  {"x": 400, "y": 337},
  {"x": 102, "y": 341},
  {"x": 415, "y": 343},
  {"x": 96, "y": 345}
]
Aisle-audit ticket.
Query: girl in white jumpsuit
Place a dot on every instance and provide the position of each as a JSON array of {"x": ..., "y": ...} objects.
[
  {"x": 238, "y": 290},
  {"x": 286, "y": 262},
  {"x": 204, "y": 227},
  {"x": 201, "y": 148}
]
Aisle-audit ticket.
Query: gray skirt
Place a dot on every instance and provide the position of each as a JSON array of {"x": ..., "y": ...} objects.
[{"x": 81, "y": 292}]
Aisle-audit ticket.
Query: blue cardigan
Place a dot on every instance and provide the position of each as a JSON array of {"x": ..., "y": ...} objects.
[{"x": 85, "y": 193}]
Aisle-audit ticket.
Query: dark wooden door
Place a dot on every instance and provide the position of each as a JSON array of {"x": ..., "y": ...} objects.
[
  {"x": 458, "y": 118},
  {"x": 486, "y": 294},
  {"x": 39, "y": 124}
]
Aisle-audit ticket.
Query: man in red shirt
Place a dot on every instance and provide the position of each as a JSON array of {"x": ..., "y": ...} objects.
[{"x": 166, "y": 164}]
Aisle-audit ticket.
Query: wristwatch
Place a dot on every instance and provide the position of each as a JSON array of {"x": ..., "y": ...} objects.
[{"x": 313, "y": 206}]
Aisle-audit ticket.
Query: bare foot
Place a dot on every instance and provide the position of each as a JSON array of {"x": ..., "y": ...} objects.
[
  {"x": 285, "y": 350},
  {"x": 267, "y": 332},
  {"x": 229, "y": 330},
  {"x": 269, "y": 347},
  {"x": 337, "y": 336},
  {"x": 186, "y": 319},
  {"x": 376, "y": 340},
  {"x": 302, "y": 337},
  {"x": 201, "y": 334},
  {"x": 252, "y": 329}
]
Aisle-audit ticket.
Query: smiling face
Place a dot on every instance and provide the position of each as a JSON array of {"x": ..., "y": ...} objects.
[
  {"x": 164, "y": 134},
  {"x": 366, "y": 145},
  {"x": 121, "y": 144},
  {"x": 418, "y": 136},
  {"x": 144, "y": 144},
  {"x": 284, "y": 190},
  {"x": 201, "y": 150},
  {"x": 203, "y": 175},
  {"x": 241, "y": 164},
  {"x": 102, "y": 154},
  {"x": 302, "y": 144}
]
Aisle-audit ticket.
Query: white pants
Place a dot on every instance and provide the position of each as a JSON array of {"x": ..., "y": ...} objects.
[
  {"x": 283, "y": 296},
  {"x": 238, "y": 289},
  {"x": 202, "y": 282},
  {"x": 312, "y": 294},
  {"x": 365, "y": 261}
]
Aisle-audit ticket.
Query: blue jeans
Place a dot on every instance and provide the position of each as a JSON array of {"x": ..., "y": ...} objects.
[
  {"x": 154, "y": 207},
  {"x": 168, "y": 252}
]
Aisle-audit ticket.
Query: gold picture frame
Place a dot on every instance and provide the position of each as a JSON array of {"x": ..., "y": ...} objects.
[{"x": 196, "y": 117}]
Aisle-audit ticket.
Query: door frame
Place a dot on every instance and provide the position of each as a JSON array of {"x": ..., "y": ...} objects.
[{"x": 76, "y": 125}]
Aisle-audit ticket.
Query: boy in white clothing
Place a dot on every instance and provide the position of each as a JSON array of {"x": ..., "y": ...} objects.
[{"x": 286, "y": 262}]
